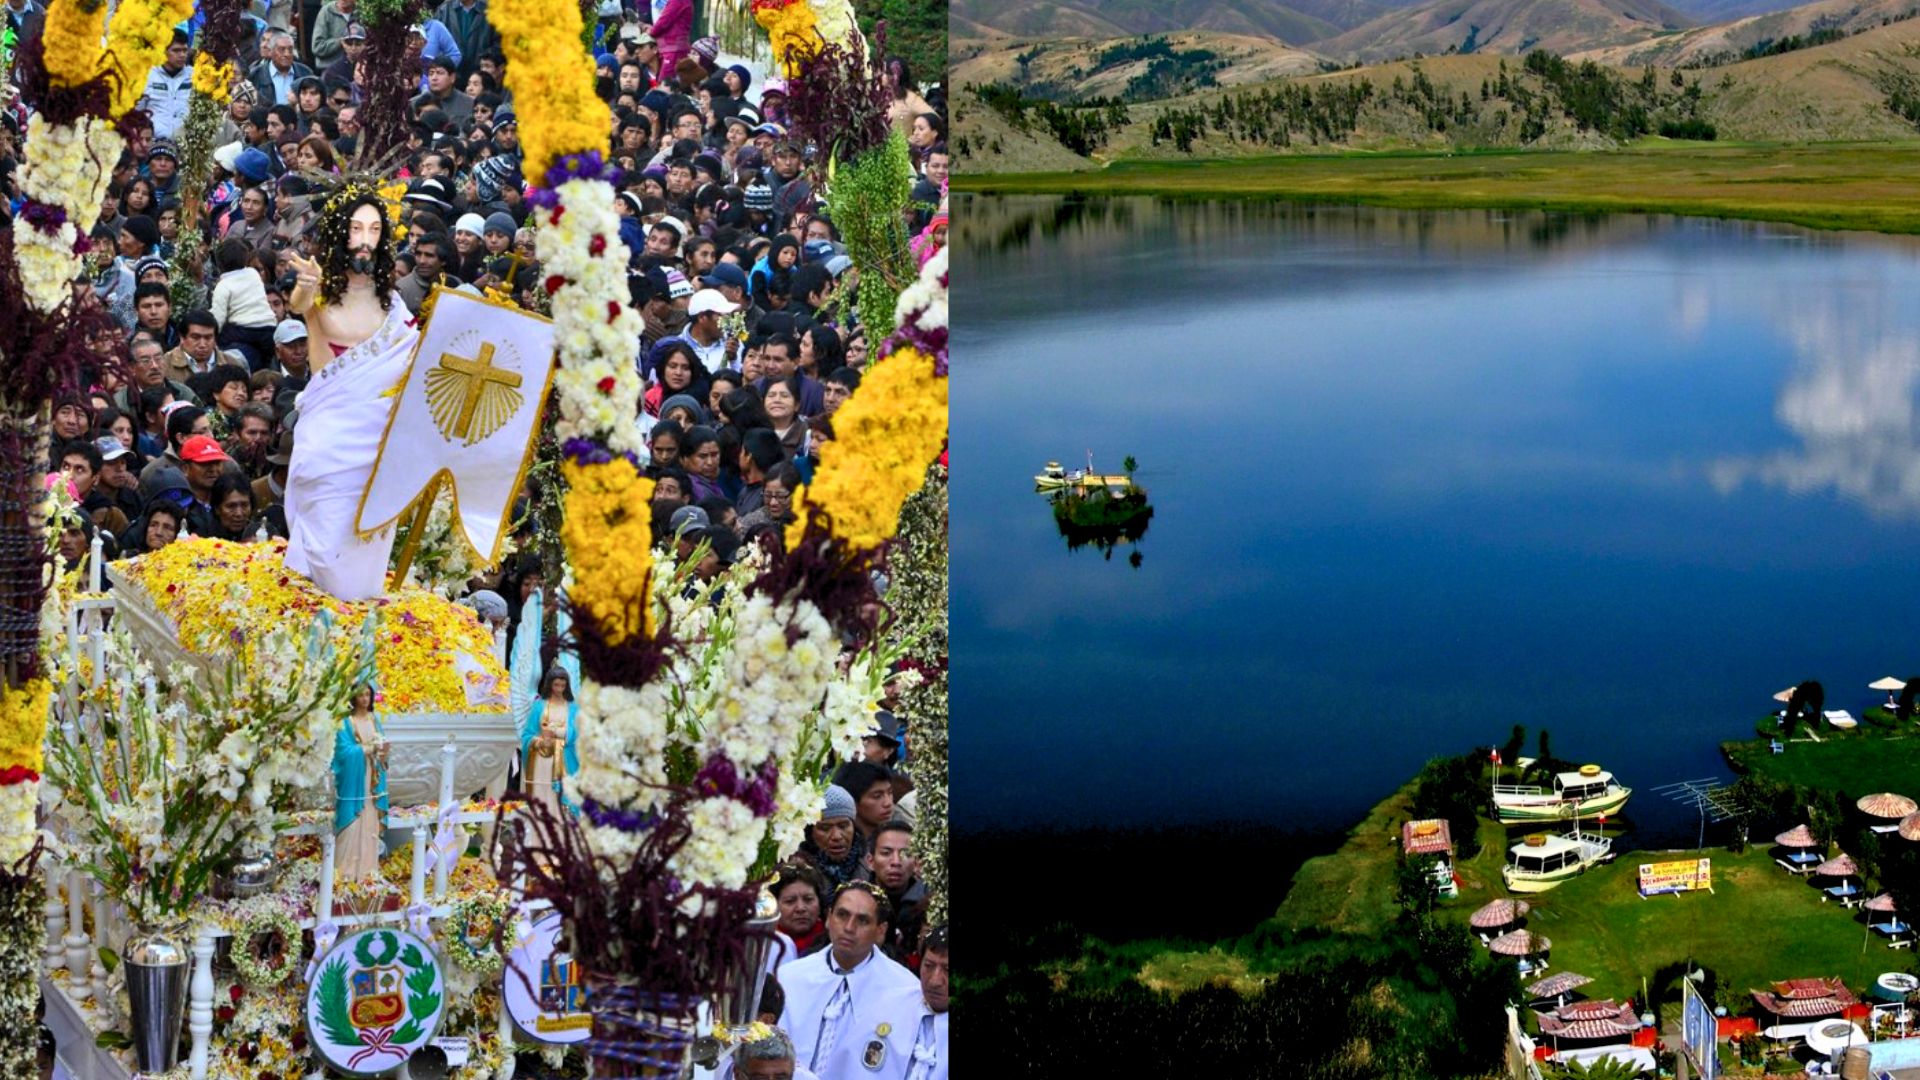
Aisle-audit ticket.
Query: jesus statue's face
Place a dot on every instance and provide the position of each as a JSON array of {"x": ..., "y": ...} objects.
[{"x": 364, "y": 230}]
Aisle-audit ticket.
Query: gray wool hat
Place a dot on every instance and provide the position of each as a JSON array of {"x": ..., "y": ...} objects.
[
  {"x": 501, "y": 222},
  {"x": 839, "y": 804}
]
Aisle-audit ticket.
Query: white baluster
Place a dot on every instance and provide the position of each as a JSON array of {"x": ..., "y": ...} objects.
[
  {"x": 95, "y": 563},
  {"x": 77, "y": 987},
  {"x": 443, "y": 863},
  {"x": 505, "y": 1071},
  {"x": 56, "y": 912},
  {"x": 98, "y": 971},
  {"x": 419, "y": 890},
  {"x": 323, "y": 907},
  {"x": 200, "y": 1005}
]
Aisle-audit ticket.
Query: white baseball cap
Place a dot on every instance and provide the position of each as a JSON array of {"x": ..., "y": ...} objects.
[
  {"x": 289, "y": 331},
  {"x": 710, "y": 300},
  {"x": 679, "y": 227}
]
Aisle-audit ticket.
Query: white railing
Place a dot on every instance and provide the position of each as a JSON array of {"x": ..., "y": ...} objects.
[{"x": 72, "y": 945}]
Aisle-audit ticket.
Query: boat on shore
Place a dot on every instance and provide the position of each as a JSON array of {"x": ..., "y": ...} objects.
[
  {"x": 1585, "y": 792},
  {"x": 1541, "y": 861},
  {"x": 1056, "y": 478}
]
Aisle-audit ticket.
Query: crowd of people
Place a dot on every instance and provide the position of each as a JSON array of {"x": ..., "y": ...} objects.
[{"x": 750, "y": 345}]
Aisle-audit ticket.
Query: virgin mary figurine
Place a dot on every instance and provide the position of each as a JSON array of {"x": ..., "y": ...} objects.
[
  {"x": 548, "y": 740},
  {"x": 360, "y": 789}
]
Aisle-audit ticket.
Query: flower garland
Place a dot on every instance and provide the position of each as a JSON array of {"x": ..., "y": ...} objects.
[
  {"x": 72, "y": 34},
  {"x": 610, "y": 568},
  {"x": 551, "y": 82},
  {"x": 283, "y": 933},
  {"x": 213, "y": 79},
  {"x": 578, "y": 242},
  {"x": 886, "y": 434},
  {"x": 797, "y": 28},
  {"x": 461, "y": 928},
  {"x": 137, "y": 41},
  {"x": 919, "y": 601},
  {"x": 67, "y": 171}
]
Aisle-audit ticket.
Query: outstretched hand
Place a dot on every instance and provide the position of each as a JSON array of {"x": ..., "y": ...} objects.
[{"x": 306, "y": 284}]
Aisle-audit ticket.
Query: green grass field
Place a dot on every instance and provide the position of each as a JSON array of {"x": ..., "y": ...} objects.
[
  {"x": 1856, "y": 763},
  {"x": 1866, "y": 186},
  {"x": 1758, "y": 925}
]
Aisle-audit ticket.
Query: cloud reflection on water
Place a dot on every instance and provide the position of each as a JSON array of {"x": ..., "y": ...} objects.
[{"x": 1851, "y": 403}]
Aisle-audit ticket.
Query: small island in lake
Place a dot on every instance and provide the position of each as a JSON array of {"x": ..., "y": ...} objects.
[{"x": 1091, "y": 509}]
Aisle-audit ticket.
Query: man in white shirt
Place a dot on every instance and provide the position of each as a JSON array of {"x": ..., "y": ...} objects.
[
  {"x": 169, "y": 88},
  {"x": 842, "y": 1002},
  {"x": 923, "y": 1011},
  {"x": 703, "y": 329},
  {"x": 764, "y": 1053}
]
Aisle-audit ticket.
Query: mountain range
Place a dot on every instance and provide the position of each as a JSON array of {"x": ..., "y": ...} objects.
[{"x": 1365, "y": 30}]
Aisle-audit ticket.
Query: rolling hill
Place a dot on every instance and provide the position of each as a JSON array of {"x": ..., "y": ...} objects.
[
  {"x": 1075, "y": 68},
  {"x": 1505, "y": 26},
  {"x": 1298, "y": 23},
  {"x": 1728, "y": 40}
]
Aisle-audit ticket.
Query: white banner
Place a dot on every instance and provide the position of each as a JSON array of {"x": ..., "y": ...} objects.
[{"x": 469, "y": 409}]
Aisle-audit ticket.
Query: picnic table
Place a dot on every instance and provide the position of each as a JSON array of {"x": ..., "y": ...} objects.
[
  {"x": 1848, "y": 894},
  {"x": 1899, "y": 935},
  {"x": 1800, "y": 862}
]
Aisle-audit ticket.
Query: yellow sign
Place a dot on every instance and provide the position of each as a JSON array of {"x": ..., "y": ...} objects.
[
  {"x": 1692, "y": 875},
  {"x": 460, "y": 386}
]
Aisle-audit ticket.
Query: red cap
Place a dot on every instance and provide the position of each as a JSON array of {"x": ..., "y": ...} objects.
[{"x": 202, "y": 449}]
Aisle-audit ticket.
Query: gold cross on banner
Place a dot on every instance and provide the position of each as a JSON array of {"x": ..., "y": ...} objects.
[{"x": 464, "y": 390}]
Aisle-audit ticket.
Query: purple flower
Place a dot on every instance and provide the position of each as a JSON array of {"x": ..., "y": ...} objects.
[
  {"x": 718, "y": 777},
  {"x": 631, "y": 821},
  {"x": 44, "y": 216},
  {"x": 587, "y": 452}
]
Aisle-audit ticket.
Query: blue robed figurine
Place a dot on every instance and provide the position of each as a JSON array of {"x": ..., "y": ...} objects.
[
  {"x": 545, "y": 737},
  {"x": 359, "y": 766}
]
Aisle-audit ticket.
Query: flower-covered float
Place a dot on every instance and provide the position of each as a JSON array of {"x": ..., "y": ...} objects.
[{"x": 199, "y": 601}]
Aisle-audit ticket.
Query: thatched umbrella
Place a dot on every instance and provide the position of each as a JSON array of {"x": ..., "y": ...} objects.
[
  {"x": 1840, "y": 865},
  {"x": 1910, "y": 827},
  {"x": 1499, "y": 913},
  {"x": 1784, "y": 696},
  {"x": 1555, "y": 985},
  {"x": 1798, "y": 836},
  {"x": 1889, "y": 684},
  {"x": 1520, "y": 943},
  {"x": 1887, "y": 805},
  {"x": 1883, "y": 902}
]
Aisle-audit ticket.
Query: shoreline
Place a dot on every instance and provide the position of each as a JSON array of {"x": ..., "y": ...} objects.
[{"x": 1829, "y": 186}]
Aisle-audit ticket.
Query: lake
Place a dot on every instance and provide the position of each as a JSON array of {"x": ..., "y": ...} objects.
[{"x": 1417, "y": 477}]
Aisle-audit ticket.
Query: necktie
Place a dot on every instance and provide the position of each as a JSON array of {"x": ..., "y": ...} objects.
[
  {"x": 830, "y": 1024},
  {"x": 926, "y": 1052}
]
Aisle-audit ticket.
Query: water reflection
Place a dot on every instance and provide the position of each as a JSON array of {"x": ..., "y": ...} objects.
[
  {"x": 1851, "y": 402},
  {"x": 1103, "y": 522}
]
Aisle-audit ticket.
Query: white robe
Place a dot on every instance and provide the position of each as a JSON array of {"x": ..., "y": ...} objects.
[
  {"x": 876, "y": 986},
  {"x": 910, "y": 1008},
  {"x": 343, "y": 416}
]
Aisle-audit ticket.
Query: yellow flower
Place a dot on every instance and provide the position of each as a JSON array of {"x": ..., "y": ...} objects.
[
  {"x": 885, "y": 436},
  {"x": 551, "y": 81},
  {"x": 137, "y": 39},
  {"x": 792, "y": 31},
  {"x": 220, "y": 595},
  {"x": 72, "y": 37},
  {"x": 608, "y": 531},
  {"x": 23, "y": 723},
  {"x": 212, "y": 78}
]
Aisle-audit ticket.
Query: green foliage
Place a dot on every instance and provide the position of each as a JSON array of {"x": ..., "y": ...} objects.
[
  {"x": 1600, "y": 1069},
  {"x": 1414, "y": 884},
  {"x": 1081, "y": 128},
  {"x": 1453, "y": 788},
  {"x": 422, "y": 998},
  {"x": 112, "y": 1040},
  {"x": 334, "y": 1019},
  {"x": 867, "y": 199},
  {"x": 109, "y": 959},
  {"x": 1515, "y": 746},
  {"x": 916, "y": 32}
]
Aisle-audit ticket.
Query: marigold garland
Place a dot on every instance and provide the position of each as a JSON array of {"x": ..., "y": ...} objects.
[
  {"x": 137, "y": 40},
  {"x": 23, "y": 723},
  {"x": 72, "y": 34},
  {"x": 886, "y": 435},
  {"x": 551, "y": 80},
  {"x": 608, "y": 533},
  {"x": 212, "y": 78}
]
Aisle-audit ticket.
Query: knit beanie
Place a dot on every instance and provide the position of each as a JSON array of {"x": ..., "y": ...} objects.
[{"x": 839, "y": 804}]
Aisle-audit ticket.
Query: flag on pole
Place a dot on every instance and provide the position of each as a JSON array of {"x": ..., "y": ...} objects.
[
  {"x": 469, "y": 411},
  {"x": 1496, "y": 757}
]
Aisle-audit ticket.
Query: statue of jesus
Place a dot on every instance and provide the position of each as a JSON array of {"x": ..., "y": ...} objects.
[{"x": 359, "y": 341}]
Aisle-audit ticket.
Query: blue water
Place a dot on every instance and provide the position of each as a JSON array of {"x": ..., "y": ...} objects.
[{"x": 1417, "y": 477}]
